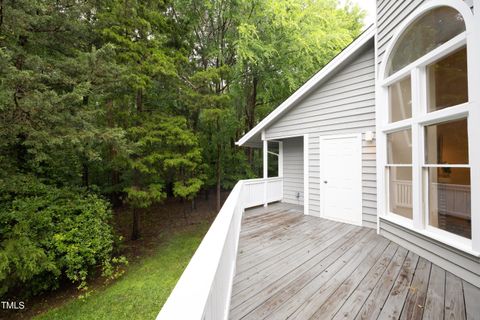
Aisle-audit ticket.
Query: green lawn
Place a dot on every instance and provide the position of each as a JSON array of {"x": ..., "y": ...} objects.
[{"x": 144, "y": 288}]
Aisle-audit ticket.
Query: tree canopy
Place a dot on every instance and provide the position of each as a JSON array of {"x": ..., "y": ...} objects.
[{"x": 134, "y": 101}]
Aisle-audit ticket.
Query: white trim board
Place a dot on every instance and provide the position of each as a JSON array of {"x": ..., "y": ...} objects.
[
  {"x": 306, "y": 171},
  {"x": 310, "y": 85}
]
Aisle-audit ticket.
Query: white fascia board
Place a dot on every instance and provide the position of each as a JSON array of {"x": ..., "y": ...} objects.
[{"x": 358, "y": 43}]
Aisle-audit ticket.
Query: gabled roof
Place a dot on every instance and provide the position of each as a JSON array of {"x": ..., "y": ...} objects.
[{"x": 310, "y": 85}]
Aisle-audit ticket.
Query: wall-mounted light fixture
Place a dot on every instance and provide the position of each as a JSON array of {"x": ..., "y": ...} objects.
[{"x": 369, "y": 136}]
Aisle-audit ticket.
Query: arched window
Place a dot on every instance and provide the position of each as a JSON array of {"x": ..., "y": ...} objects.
[
  {"x": 424, "y": 124},
  {"x": 426, "y": 33}
]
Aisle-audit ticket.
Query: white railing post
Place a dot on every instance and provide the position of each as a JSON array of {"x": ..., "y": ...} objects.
[{"x": 265, "y": 168}]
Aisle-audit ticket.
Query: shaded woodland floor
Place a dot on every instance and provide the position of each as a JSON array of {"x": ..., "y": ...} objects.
[{"x": 170, "y": 234}]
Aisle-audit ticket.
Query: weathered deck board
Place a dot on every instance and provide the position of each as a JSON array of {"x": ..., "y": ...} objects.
[
  {"x": 286, "y": 259},
  {"x": 472, "y": 301},
  {"x": 434, "y": 306},
  {"x": 254, "y": 295},
  {"x": 454, "y": 300},
  {"x": 357, "y": 298},
  {"x": 375, "y": 301},
  {"x": 301, "y": 267},
  {"x": 415, "y": 303},
  {"x": 394, "y": 304},
  {"x": 364, "y": 276}
]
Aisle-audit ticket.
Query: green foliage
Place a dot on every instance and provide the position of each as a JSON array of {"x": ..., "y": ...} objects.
[
  {"x": 49, "y": 233},
  {"x": 277, "y": 35},
  {"x": 143, "y": 198},
  {"x": 135, "y": 101},
  {"x": 164, "y": 150},
  {"x": 52, "y": 81},
  {"x": 218, "y": 127},
  {"x": 145, "y": 287}
]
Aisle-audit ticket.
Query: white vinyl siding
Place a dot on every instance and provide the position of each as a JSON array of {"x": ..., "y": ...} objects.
[
  {"x": 344, "y": 103},
  {"x": 293, "y": 170}
]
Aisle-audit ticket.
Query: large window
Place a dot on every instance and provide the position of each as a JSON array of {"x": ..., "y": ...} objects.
[
  {"x": 399, "y": 164},
  {"x": 426, "y": 124},
  {"x": 447, "y": 81},
  {"x": 400, "y": 104},
  {"x": 448, "y": 175}
]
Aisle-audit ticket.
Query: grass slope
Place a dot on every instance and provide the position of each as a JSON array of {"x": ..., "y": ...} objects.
[{"x": 145, "y": 287}]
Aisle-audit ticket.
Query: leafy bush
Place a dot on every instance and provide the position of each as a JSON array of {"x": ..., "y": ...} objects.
[{"x": 49, "y": 233}]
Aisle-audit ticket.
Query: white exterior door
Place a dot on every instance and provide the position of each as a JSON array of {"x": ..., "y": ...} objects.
[{"x": 341, "y": 178}]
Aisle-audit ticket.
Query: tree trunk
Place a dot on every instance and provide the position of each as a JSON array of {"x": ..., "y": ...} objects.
[
  {"x": 112, "y": 154},
  {"x": 85, "y": 175},
  {"x": 250, "y": 114},
  {"x": 185, "y": 215},
  {"x": 135, "y": 224},
  {"x": 218, "y": 175},
  {"x": 136, "y": 213},
  {"x": 194, "y": 204},
  {"x": 136, "y": 174},
  {"x": 1, "y": 13},
  {"x": 115, "y": 195},
  {"x": 219, "y": 195},
  {"x": 218, "y": 170},
  {"x": 250, "y": 156},
  {"x": 139, "y": 100}
]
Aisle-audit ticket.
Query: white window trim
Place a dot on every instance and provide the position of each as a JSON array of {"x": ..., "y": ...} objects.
[{"x": 421, "y": 117}]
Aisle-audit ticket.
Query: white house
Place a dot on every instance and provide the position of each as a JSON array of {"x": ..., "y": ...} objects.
[{"x": 386, "y": 136}]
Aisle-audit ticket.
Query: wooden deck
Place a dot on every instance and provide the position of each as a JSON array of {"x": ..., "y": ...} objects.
[{"x": 301, "y": 267}]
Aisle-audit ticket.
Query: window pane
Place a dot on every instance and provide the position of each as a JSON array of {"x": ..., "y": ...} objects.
[
  {"x": 399, "y": 147},
  {"x": 448, "y": 81},
  {"x": 425, "y": 34},
  {"x": 447, "y": 143},
  {"x": 449, "y": 200},
  {"x": 273, "y": 148},
  {"x": 400, "y": 188},
  {"x": 400, "y": 94}
]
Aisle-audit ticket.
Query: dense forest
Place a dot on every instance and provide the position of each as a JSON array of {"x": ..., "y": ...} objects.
[{"x": 124, "y": 103}]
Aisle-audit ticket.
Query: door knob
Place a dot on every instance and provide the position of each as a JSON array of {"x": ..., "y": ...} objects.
[{"x": 325, "y": 181}]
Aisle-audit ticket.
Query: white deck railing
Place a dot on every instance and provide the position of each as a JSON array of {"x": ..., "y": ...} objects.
[
  {"x": 203, "y": 291},
  {"x": 453, "y": 199},
  {"x": 402, "y": 193}
]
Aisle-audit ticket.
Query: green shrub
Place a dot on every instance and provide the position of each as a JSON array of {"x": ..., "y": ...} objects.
[{"x": 49, "y": 233}]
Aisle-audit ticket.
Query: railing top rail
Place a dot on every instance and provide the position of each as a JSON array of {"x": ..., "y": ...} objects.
[
  {"x": 192, "y": 296},
  {"x": 445, "y": 185},
  {"x": 262, "y": 180},
  {"x": 196, "y": 281}
]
